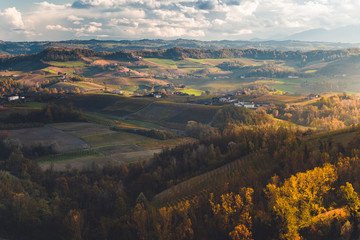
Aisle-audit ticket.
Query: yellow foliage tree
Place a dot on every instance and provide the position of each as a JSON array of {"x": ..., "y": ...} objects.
[
  {"x": 300, "y": 198},
  {"x": 232, "y": 213}
]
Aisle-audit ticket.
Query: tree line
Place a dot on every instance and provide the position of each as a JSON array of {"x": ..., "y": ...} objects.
[{"x": 308, "y": 189}]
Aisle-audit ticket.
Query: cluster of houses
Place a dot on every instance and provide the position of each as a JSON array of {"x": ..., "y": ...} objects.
[
  {"x": 250, "y": 105},
  {"x": 13, "y": 98},
  {"x": 230, "y": 99},
  {"x": 62, "y": 76},
  {"x": 313, "y": 96},
  {"x": 119, "y": 92},
  {"x": 163, "y": 95}
]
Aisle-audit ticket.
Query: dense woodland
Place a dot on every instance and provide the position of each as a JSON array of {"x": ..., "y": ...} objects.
[
  {"x": 308, "y": 189},
  {"x": 10, "y": 86},
  {"x": 16, "y": 48},
  {"x": 327, "y": 113},
  {"x": 289, "y": 183},
  {"x": 59, "y": 54}
]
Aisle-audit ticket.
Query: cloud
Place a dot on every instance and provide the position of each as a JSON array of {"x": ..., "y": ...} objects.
[
  {"x": 13, "y": 17},
  {"x": 239, "y": 32},
  {"x": 198, "y": 19},
  {"x": 95, "y": 3},
  {"x": 75, "y": 18},
  {"x": 58, "y": 28},
  {"x": 97, "y": 24}
]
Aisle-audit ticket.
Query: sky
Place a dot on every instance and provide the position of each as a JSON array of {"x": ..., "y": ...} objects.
[{"x": 29, "y": 20}]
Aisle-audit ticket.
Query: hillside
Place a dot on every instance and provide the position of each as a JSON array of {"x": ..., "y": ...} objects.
[
  {"x": 180, "y": 143},
  {"x": 186, "y": 71},
  {"x": 16, "y": 48}
]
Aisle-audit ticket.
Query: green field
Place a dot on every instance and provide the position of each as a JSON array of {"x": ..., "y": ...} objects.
[
  {"x": 68, "y": 156},
  {"x": 115, "y": 138},
  {"x": 192, "y": 91},
  {"x": 35, "y": 105},
  {"x": 50, "y": 71},
  {"x": 214, "y": 62},
  {"x": 104, "y": 145},
  {"x": 68, "y": 64},
  {"x": 168, "y": 63}
]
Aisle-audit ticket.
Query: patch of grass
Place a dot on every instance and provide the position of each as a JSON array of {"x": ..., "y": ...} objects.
[
  {"x": 67, "y": 64},
  {"x": 169, "y": 143},
  {"x": 181, "y": 64},
  {"x": 192, "y": 91},
  {"x": 191, "y": 69},
  {"x": 84, "y": 84},
  {"x": 50, "y": 71},
  {"x": 163, "y": 62},
  {"x": 35, "y": 105},
  {"x": 128, "y": 126},
  {"x": 116, "y": 138},
  {"x": 214, "y": 62},
  {"x": 278, "y": 99},
  {"x": 67, "y": 156}
]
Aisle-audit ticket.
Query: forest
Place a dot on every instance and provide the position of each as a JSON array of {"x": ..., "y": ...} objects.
[
  {"x": 328, "y": 113},
  {"x": 288, "y": 169},
  {"x": 176, "y": 53},
  {"x": 290, "y": 184}
]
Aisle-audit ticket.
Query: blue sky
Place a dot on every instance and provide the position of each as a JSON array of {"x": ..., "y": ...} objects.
[
  {"x": 27, "y": 20},
  {"x": 26, "y": 4}
]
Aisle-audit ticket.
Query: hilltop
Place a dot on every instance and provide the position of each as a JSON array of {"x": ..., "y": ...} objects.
[
  {"x": 180, "y": 143},
  {"x": 16, "y": 48},
  {"x": 187, "y": 71}
]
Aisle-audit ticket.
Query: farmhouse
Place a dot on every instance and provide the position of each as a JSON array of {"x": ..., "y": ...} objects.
[
  {"x": 313, "y": 96},
  {"x": 12, "y": 98},
  {"x": 226, "y": 99},
  {"x": 120, "y": 92},
  {"x": 156, "y": 94},
  {"x": 249, "y": 105}
]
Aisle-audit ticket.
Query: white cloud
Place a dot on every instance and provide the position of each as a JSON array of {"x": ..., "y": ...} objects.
[
  {"x": 13, "y": 17},
  {"x": 58, "y": 28},
  {"x": 75, "y": 18},
  {"x": 92, "y": 29},
  {"x": 200, "y": 19},
  {"x": 239, "y": 32}
]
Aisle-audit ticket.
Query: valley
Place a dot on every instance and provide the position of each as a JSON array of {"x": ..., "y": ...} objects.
[{"x": 176, "y": 140}]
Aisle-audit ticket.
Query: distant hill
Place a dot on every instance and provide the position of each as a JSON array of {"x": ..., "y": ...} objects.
[
  {"x": 175, "y": 53},
  {"x": 349, "y": 34},
  {"x": 16, "y": 48}
]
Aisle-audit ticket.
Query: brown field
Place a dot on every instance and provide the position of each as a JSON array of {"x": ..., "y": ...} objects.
[
  {"x": 60, "y": 69},
  {"x": 279, "y": 99},
  {"x": 108, "y": 145},
  {"x": 103, "y": 62},
  {"x": 87, "y": 162},
  {"x": 80, "y": 129},
  {"x": 47, "y": 136}
]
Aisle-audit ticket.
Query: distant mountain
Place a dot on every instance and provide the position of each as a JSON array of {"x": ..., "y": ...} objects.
[
  {"x": 16, "y": 48},
  {"x": 349, "y": 34}
]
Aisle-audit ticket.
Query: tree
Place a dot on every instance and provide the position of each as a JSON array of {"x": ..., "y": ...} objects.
[
  {"x": 232, "y": 214},
  {"x": 299, "y": 198}
]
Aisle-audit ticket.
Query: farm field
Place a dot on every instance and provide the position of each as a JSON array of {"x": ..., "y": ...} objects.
[
  {"x": 213, "y": 180},
  {"x": 46, "y": 136},
  {"x": 258, "y": 163},
  {"x": 174, "y": 115},
  {"x": 102, "y": 145}
]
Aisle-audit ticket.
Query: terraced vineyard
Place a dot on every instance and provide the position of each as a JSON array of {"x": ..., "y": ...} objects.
[{"x": 256, "y": 164}]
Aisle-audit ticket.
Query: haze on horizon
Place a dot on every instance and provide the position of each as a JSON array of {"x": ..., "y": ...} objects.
[{"x": 30, "y": 20}]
